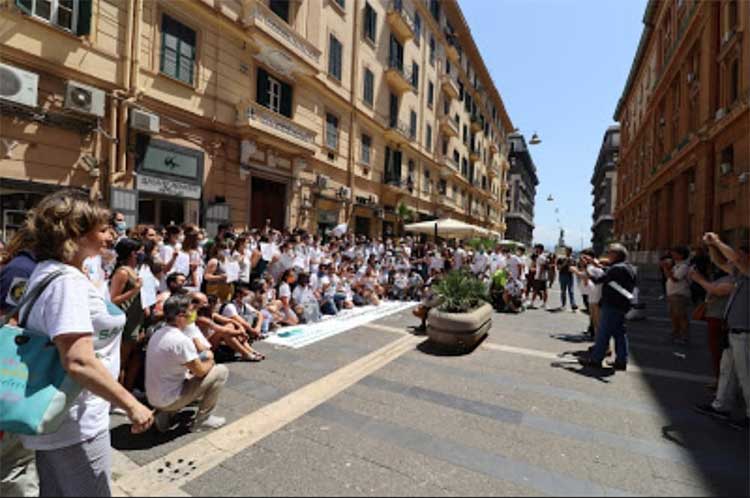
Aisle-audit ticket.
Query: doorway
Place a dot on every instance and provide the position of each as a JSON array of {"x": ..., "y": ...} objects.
[
  {"x": 161, "y": 211},
  {"x": 268, "y": 202}
]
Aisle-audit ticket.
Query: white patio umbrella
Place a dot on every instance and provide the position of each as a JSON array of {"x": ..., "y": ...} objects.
[{"x": 447, "y": 228}]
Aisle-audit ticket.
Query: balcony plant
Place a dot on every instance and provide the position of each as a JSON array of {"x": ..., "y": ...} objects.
[{"x": 464, "y": 316}]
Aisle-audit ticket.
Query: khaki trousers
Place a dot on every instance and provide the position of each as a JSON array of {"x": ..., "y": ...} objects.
[{"x": 206, "y": 390}]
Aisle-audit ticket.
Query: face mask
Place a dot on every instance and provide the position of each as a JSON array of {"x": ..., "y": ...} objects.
[
  {"x": 121, "y": 227},
  {"x": 192, "y": 317}
]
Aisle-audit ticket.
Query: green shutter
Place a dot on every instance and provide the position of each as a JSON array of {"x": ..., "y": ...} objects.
[
  {"x": 85, "y": 7},
  {"x": 286, "y": 100},
  {"x": 262, "y": 96},
  {"x": 24, "y": 6}
]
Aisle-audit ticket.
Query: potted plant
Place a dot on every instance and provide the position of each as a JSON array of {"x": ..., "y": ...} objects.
[{"x": 464, "y": 316}]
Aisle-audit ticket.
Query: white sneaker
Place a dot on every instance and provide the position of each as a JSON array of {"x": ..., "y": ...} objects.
[{"x": 211, "y": 423}]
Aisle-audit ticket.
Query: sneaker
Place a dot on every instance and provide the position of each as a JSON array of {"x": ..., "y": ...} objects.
[
  {"x": 211, "y": 423},
  {"x": 588, "y": 362},
  {"x": 740, "y": 425},
  {"x": 163, "y": 421},
  {"x": 618, "y": 365},
  {"x": 708, "y": 409}
]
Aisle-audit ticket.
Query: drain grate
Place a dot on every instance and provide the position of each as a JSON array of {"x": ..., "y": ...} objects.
[{"x": 178, "y": 469}]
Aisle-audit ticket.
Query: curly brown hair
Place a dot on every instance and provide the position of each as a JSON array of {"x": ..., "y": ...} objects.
[{"x": 57, "y": 223}]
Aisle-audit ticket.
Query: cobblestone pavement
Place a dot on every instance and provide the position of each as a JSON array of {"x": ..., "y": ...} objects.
[{"x": 374, "y": 411}]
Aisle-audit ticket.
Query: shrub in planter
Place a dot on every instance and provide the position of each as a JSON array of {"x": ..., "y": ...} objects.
[{"x": 464, "y": 317}]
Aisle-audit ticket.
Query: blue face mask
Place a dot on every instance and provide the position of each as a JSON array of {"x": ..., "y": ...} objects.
[{"x": 121, "y": 227}]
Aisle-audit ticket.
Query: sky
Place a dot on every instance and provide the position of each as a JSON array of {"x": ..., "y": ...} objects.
[{"x": 560, "y": 67}]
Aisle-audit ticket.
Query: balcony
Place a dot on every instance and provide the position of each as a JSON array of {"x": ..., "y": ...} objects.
[
  {"x": 494, "y": 148},
  {"x": 476, "y": 124},
  {"x": 449, "y": 166},
  {"x": 398, "y": 132},
  {"x": 398, "y": 78},
  {"x": 448, "y": 126},
  {"x": 291, "y": 136},
  {"x": 475, "y": 155},
  {"x": 493, "y": 171},
  {"x": 449, "y": 86},
  {"x": 295, "y": 48},
  {"x": 451, "y": 50},
  {"x": 400, "y": 21}
]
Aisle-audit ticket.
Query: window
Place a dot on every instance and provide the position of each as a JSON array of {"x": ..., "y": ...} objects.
[
  {"x": 369, "y": 92},
  {"x": 442, "y": 187},
  {"x": 435, "y": 9},
  {"x": 366, "y": 144},
  {"x": 396, "y": 54},
  {"x": 177, "y": 50},
  {"x": 427, "y": 184},
  {"x": 465, "y": 135},
  {"x": 417, "y": 29},
  {"x": 415, "y": 75},
  {"x": 734, "y": 82},
  {"x": 342, "y": 3},
  {"x": 428, "y": 139},
  {"x": 280, "y": 8},
  {"x": 430, "y": 94},
  {"x": 446, "y": 107},
  {"x": 727, "y": 160},
  {"x": 413, "y": 125},
  {"x": 432, "y": 51},
  {"x": 70, "y": 15},
  {"x": 334, "y": 57},
  {"x": 392, "y": 168},
  {"x": 371, "y": 23},
  {"x": 445, "y": 146},
  {"x": 456, "y": 157},
  {"x": 332, "y": 132},
  {"x": 274, "y": 94}
]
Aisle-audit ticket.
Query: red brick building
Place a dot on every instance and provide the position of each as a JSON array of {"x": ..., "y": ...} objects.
[{"x": 685, "y": 127}]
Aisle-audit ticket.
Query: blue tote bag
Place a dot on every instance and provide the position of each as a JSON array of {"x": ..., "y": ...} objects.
[{"x": 35, "y": 389}]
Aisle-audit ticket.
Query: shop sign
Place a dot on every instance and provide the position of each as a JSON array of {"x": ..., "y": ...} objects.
[
  {"x": 164, "y": 186},
  {"x": 328, "y": 217}
]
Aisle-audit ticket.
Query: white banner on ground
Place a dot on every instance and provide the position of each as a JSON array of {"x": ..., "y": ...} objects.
[{"x": 303, "y": 335}]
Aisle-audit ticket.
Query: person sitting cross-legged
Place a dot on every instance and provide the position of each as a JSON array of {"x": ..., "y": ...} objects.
[{"x": 170, "y": 356}]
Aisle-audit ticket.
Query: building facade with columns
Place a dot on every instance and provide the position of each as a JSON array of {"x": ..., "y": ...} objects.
[
  {"x": 307, "y": 113},
  {"x": 604, "y": 190},
  {"x": 685, "y": 128}
]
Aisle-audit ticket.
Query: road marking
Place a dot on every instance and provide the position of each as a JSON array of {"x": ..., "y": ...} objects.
[
  {"x": 210, "y": 451},
  {"x": 659, "y": 372}
]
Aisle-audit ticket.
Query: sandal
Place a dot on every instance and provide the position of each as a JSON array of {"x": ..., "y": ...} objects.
[{"x": 253, "y": 358}]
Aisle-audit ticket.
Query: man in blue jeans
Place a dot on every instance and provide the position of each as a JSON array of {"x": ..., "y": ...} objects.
[
  {"x": 566, "y": 279},
  {"x": 618, "y": 284}
]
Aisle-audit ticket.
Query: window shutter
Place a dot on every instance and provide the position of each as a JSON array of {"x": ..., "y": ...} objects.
[
  {"x": 84, "y": 17},
  {"x": 169, "y": 46},
  {"x": 187, "y": 55},
  {"x": 286, "y": 99},
  {"x": 262, "y": 85},
  {"x": 25, "y": 6},
  {"x": 388, "y": 166}
]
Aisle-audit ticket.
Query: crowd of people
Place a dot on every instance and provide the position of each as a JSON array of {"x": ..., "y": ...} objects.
[{"x": 143, "y": 317}]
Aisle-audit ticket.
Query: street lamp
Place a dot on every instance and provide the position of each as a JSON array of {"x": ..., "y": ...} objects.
[{"x": 535, "y": 140}]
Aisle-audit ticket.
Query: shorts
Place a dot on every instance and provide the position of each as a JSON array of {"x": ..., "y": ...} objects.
[
  {"x": 540, "y": 285},
  {"x": 679, "y": 305}
]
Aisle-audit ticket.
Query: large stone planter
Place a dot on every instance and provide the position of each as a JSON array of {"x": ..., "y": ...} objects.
[{"x": 459, "y": 331}]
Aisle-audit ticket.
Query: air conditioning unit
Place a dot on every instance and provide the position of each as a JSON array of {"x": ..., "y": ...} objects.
[
  {"x": 345, "y": 193},
  {"x": 322, "y": 182},
  {"x": 84, "y": 99},
  {"x": 725, "y": 168},
  {"x": 18, "y": 86},
  {"x": 379, "y": 213},
  {"x": 147, "y": 122}
]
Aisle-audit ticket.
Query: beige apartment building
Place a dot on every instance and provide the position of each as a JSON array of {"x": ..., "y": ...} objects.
[{"x": 308, "y": 113}]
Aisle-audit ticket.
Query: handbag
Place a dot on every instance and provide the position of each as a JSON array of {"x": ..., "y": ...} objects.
[
  {"x": 699, "y": 313},
  {"x": 35, "y": 389}
]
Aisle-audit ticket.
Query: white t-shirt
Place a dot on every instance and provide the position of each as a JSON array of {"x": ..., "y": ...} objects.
[
  {"x": 302, "y": 295},
  {"x": 515, "y": 264},
  {"x": 595, "y": 294},
  {"x": 71, "y": 304},
  {"x": 541, "y": 267},
  {"x": 497, "y": 261},
  {"x": 169, "y": 350},
  {"x": 479, "y": 264},
  {"x": 285, "y": 291},
  {"x": 682, "y": 286},
  {"x": 245, "y": 311},
  {"x": 193, "y": 332},
  {"x": 94, "y": 269},
  {"x": 459, "y": 257}
]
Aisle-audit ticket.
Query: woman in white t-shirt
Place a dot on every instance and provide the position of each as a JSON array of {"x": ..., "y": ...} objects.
[
  {"x": 76, "y": 459},
  {"x": 191, "y": 248}
]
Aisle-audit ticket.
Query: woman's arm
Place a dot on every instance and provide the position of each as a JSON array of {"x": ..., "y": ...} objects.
[
  {"x": 119, "y": 280},
  {"x": 715, "y": 289},
  {"x": 211, "y": 275},
  {"x": 734, "y": 259},
  {"x": 79, "y": 359}
]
